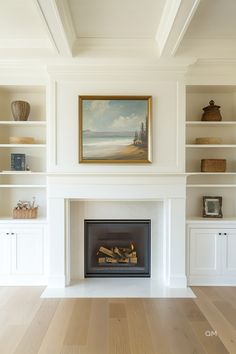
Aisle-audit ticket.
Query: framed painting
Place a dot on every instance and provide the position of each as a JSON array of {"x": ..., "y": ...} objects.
[{"x": 115, "y": 129}]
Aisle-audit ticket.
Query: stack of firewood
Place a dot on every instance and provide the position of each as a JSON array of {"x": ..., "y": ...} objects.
[{"x": 116, "y": 255}]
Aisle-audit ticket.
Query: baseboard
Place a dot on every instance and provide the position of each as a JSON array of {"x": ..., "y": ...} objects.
[
  {"x": 23, "y": 280},
  {"x": 177, "y": 281},
  {"x": 211, "y": 280}
]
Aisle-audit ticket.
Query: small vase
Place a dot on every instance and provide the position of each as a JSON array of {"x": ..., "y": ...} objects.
[{"x": 20, "y": 110}]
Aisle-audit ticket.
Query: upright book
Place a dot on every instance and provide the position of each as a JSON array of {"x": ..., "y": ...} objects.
[{"x": 18, "y": 162}]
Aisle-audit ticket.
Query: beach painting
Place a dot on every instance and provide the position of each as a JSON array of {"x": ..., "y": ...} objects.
[{"x": 115, "y": 129}]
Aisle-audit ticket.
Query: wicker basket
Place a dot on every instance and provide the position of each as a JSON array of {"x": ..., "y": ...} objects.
[
  {"x": 209, "y": 140},
  {"x": 21, "y": 140},
  {"x": 25, "y": 213},
  {"x": 213, "y": 165}
]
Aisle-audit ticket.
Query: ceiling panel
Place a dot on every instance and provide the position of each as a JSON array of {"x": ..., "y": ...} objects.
[
  {"x": 212, "y": 31},
  {"x": 116, "y": 18},
  {"x": 20, "y": 19}
]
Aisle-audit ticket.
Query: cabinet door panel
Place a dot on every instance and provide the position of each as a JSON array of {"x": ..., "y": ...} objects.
[
  {"x": 204, "y": 252},
  {"x": 229, "y": 262},
  {"x": 5, "y": 252},
  {"x": 28, "y": 251}
]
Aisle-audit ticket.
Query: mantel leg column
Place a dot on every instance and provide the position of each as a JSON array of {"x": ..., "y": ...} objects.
[
  {"x": 175, "y": 272},
  {"x": 56, "y": 219}
]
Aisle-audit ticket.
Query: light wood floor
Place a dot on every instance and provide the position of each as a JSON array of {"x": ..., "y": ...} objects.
[{"x": 30, "y": 325}]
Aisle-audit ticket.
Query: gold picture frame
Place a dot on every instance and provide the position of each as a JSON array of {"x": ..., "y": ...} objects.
[{"x": 115, "y": 129}]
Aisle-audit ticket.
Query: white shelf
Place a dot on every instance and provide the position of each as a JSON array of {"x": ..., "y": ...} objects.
[
  {"x": 9, "y": 219},
  {"x": 205, "y": 123},
  {"x": 23, "y": 123},
  {"x": 199, "y": 219},
  {"x": 25, "y": 173},
  {"x": 211, "y": 185},
  {"x": 210, "y": 173},
  {"x": 23, "y": 186},
  {"x": 23, "y": 145},
  {"x": 207, "y": 146}
]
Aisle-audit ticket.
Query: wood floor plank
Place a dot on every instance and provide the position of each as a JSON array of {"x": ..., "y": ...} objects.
[
  {"x": 181, "y": 337},
  {"x": 140, "y": 338},
  {"x": 98, "y": 335},
  {"x": 218, "y": 322},
  {"x": 11, "y": 337},
  {"x": 33, "y": 337},
  {"x": 201, "y": 327},
  {"x": 227, "y": 310},
  {"x": 159, "y": 328},
  {"x": 118, "y": 329},
  {"x": 77, "y": 330},
  {"x": 54, "y": 338}
]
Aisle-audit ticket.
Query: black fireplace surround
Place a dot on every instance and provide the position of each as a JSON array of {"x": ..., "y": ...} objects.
[{"x": 118, "y": 236}]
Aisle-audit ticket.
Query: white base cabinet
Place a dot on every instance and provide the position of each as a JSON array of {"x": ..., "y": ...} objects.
[
  {"x": 211, "y": 255},
  {"x": 23, "y": 254}
]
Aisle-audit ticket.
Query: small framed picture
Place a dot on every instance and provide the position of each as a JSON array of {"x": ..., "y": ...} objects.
[{"x": 212, "y": 207}]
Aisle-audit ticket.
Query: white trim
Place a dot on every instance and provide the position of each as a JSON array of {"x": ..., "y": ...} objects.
[
  {"x": 167, "y": 19},
  {"x": 51, "y": 17},
  {"x": 211, "y": 280}
]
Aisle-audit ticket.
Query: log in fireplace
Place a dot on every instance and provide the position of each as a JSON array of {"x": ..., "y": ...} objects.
[{"x": 117, "y": 248}]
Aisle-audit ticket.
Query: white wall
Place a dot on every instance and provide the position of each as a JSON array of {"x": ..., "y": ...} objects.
[{"x": 168, "y": 95}]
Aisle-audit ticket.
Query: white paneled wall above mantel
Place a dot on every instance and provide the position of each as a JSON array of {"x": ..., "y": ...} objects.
[{"x": 168, "y": 98}]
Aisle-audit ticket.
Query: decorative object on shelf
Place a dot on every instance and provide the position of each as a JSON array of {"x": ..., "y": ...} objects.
[
  {"x": 115, "y": 129},
  {"x": 209, "y": 140},
  {"x": 18, "y": 162},
  {"x": 213, "y": 165},
  {"x": 20, "y": 110},
  {"x": 211, "y": 112},
  {"x": 21, "y": 140},
  {"x": 25, "y": 210},
  {"x": 212, "y": 207}
]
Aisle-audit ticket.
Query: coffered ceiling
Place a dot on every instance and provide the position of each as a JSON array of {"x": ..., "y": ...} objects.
[{"x": 156, "y": 29}]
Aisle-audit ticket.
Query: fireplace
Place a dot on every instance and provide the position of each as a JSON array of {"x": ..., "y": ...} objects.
[{"x": 117, "y": 248}]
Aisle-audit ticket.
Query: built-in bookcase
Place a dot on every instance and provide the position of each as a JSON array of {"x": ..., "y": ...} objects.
[
  {"x": 23, "y": 185},
  {"x": 199, "y": 183}
]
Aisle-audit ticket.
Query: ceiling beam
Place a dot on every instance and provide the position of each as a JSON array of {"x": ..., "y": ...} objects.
[
  {"x": 175, "y": 20},
  {"x": 57, "y": 18}
]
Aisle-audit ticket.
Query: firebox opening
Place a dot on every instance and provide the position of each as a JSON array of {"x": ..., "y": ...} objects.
[{"x": 117, "y": 248}]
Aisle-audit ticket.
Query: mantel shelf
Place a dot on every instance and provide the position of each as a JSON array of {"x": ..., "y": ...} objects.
[{"x": 23, "y": 123}]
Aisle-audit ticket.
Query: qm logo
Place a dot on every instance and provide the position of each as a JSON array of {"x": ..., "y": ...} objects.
[{"x": 211, "y": 333}]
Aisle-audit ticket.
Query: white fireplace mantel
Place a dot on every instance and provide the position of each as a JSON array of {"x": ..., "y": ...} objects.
[{"x": 170, "y": 189}]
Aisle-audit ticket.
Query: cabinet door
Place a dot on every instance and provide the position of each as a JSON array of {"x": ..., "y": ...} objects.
[
  {"x": 28, "y": 251},
  {"x": 229, "y": 252},
  {"x": 204, "y": 252},
  {"x": 5, "y": 251}
]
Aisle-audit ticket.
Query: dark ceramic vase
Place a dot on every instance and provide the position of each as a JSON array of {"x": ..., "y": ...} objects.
[{"x": 20, "y": 110}]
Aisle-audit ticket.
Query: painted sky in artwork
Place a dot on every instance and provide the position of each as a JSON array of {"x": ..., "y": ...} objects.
[{"x": 114, "y": 115}]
